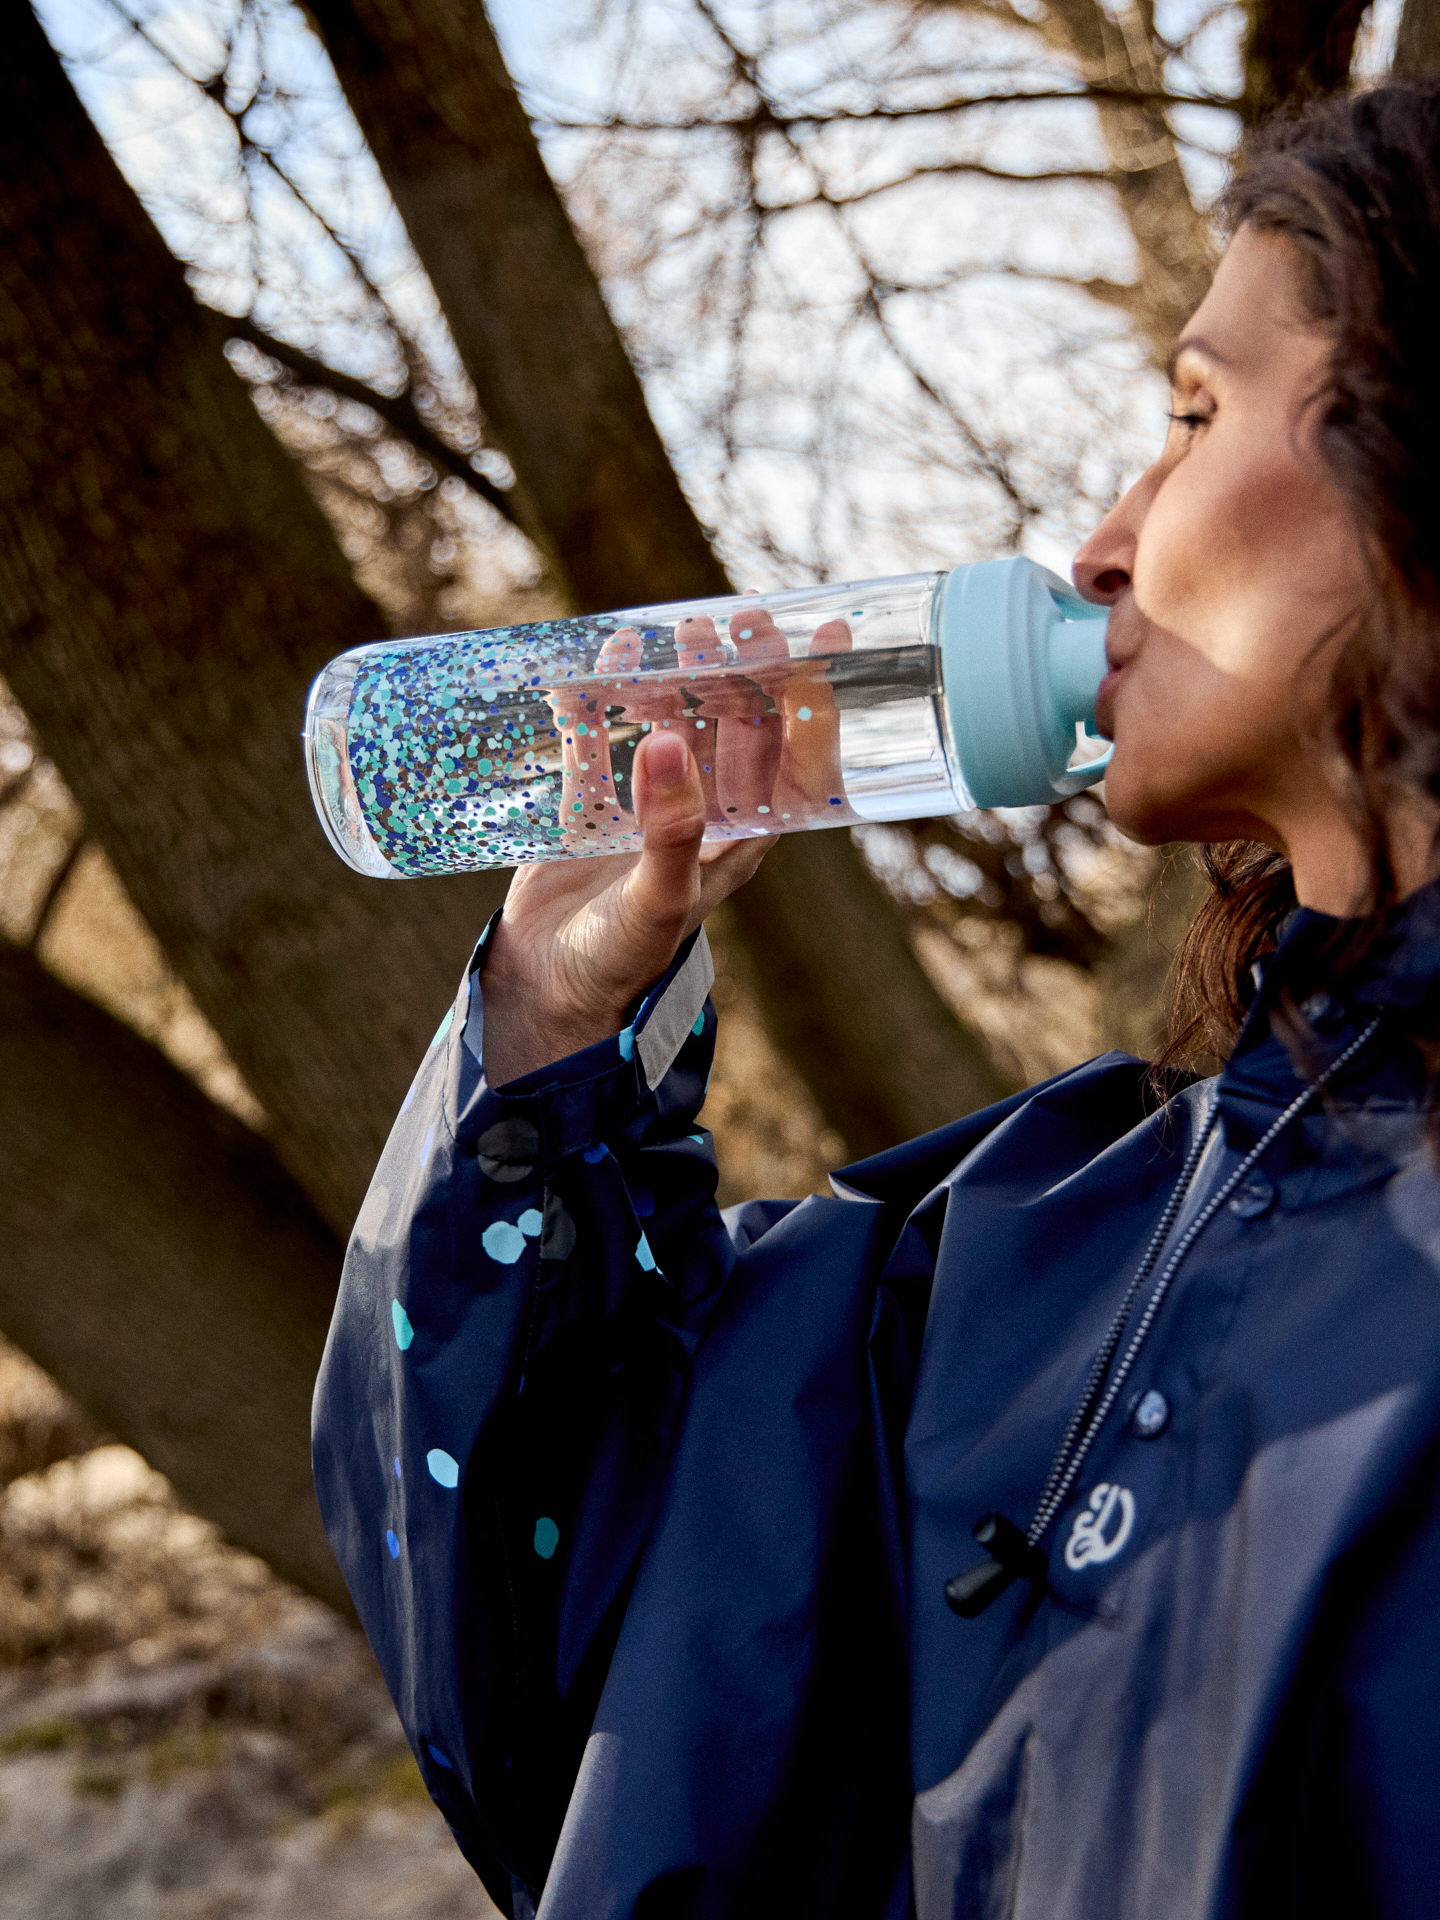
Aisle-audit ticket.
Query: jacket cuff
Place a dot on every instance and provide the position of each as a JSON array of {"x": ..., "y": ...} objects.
[{"x": 576, "y": 1102}]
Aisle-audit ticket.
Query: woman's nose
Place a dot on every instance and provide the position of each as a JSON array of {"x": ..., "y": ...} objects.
[
  {"x": 1103, "y": 568},
  {"x": 1105, "y": 564}
]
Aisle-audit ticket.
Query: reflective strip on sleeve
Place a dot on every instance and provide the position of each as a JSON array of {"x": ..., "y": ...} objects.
[{"x": 675, "y": 1013}]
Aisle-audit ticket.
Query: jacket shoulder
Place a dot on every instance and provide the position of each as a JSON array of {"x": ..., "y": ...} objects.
[{"x": 1098, "y": 1102}]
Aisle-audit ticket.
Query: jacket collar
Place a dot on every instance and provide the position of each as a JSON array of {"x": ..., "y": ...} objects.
[{"x": 1399, "y": 973}]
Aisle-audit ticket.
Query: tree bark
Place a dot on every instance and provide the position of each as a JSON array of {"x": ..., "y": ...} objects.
[
  {"x": 160, "y": 1263},
  {"x": 168, "y": 589},
  {"x": 428, "y": 84},
  {"x": 835, "y": 960},
  {"x": 1171, "y": 237},
  {"x": 1297, "y": 50},
  {"x": 1417, "y": 45}
]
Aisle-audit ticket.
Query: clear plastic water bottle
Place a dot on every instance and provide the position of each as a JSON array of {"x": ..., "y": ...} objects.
[{"x": 889, "y": 699}]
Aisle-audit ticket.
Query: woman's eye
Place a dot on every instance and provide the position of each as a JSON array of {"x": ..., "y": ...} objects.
[{"x": 1190, "y": 421}]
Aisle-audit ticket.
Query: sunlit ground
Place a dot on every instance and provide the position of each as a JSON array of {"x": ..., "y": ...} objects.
[{"x": 182, "y": 1736}]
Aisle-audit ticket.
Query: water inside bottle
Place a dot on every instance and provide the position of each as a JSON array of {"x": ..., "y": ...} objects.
[{"x": 804, "y": 709}]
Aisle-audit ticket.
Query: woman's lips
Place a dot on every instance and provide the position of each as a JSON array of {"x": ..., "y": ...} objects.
[{"x": 1105, "y": 703}]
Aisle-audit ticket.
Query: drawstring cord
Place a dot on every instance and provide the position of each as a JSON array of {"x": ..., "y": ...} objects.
[{"x": 1014, "y": 1553}]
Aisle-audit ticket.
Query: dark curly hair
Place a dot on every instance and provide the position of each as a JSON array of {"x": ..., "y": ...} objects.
[{"x": 1354, "y": 183}]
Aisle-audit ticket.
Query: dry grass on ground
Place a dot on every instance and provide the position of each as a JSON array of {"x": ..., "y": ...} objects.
[{"x": 182, "y": 1737}]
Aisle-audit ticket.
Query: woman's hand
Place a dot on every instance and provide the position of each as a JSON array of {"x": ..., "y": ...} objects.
[{"x": 579, "y": 940}]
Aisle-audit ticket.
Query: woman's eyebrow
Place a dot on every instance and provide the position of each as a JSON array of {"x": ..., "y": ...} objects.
[{"x": 1193, "y": 344}]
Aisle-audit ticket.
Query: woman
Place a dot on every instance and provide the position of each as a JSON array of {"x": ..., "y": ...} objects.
[{"x": 1045, "y": 1525}]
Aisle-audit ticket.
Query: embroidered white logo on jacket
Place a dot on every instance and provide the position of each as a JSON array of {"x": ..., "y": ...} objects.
[{"x": 1101, "y": 1528}]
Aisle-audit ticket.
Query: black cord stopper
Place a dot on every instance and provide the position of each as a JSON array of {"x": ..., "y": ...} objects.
[{"x": 1011, "y": 1556}]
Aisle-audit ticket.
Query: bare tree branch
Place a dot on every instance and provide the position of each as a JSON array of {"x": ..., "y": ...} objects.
[
  {"x": 55, "y": 886},
  {"x": 947, "y": 169},
  {"x": 398, "y": 411},
  {"x": 764, "y": 117},
  {"x": 167, "y": 1271},
  {"x": 1120, "y": 63},
  {"x": 174, "y": 722}
]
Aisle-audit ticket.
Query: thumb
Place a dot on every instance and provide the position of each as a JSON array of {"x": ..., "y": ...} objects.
[{"x": 663, "y": 889}]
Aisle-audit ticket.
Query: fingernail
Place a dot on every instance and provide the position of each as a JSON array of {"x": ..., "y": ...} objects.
[{"x": 666, "y": 760}]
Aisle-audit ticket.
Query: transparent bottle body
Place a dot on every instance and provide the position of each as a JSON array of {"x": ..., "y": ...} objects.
[{"x": 807, "y": 709}]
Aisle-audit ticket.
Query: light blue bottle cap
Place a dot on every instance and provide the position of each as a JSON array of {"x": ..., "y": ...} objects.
[{"x": 1022, "y": 657}]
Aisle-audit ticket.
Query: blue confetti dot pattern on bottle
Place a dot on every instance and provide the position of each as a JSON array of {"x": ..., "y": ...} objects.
[{"x": 455, "y": 749}]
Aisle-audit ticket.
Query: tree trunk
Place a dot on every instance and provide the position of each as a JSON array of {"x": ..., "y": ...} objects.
[
  {"x": 1297, "y": 50},
  {"x": 834, "y": 959},
  {"x": 428, "y": 85},
  {"x": 162, "y": 1265},
  {"x": 1176, "y": 258},
  {"x": 1417, "y": 45},
  {"x": 168, "y": 588}
]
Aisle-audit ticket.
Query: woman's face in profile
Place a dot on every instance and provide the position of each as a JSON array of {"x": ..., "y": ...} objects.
[{"x": 1233, "y": 569}]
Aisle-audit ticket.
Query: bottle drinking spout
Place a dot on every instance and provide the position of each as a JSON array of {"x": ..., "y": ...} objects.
[
  {"x": 889, "y": 699},
  {"x": 1022, "y": 660}
]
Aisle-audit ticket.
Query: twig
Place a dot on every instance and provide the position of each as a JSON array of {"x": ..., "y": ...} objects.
[
  {"x": 55, "y": 887},
  {"x": 763, "y": 115},
  {"x": 975, "y": 169},
  {"x": 397, "y": 411}
]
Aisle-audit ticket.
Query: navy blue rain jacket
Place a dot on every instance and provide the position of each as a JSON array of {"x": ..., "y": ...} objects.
[{"x": 649, "y": 1511}]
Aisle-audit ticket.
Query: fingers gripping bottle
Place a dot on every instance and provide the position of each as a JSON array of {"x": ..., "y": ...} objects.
[{"x": 924, "y": 694}]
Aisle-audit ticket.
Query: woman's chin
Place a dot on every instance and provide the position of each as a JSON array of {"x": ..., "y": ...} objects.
[
  {"x": 1158, "y": 812},
  {"x": 1142, "y": 808}
]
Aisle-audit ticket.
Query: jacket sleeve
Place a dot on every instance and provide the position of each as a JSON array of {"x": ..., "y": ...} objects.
[{"x": 528, "y": 1279}]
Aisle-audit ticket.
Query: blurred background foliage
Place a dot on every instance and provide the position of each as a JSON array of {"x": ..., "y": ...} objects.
[{"x": 406, "y": 315}]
